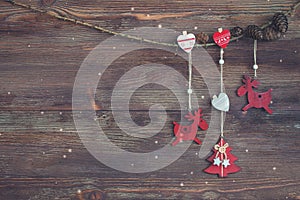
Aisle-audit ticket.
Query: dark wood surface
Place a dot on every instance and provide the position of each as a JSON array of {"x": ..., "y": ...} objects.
[{"x": 41, "y": 55}]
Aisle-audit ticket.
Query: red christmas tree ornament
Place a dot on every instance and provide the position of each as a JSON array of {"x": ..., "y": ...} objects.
[
  {"x": 189, "y": 132},
  {"x": 255, "y": 99},
  {"x": 222, "y": 160},
  {"x": 222, "y": 37}
]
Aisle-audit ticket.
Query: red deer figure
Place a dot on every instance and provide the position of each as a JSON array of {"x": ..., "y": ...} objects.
[
  {"x": 189, "y": 132},
  {"x": 255, "y": 99}
]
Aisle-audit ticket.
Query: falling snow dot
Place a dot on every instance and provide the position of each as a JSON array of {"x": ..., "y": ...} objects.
[
  {"x": 28, "y": 46},
  {"x": 42, "y": 112},
  {"x": 132, "y": 164},
  {"x": 181, "y": 184},
  {"x": 73, "y": 38},
  {"x": 159, "y": 26},
  {"x": 60, "y": 129},
  {"x": 156, "y": 142},
  {"x": 196, "y": 153},
  {"x": 99, "y": 74},
  {"x": 195, "y": 27},
  {"x": 148, "y": 15},
  {"x": 60, "y": 113},
  {"x": 246, "y": 150},
  {"x": 280, "y": 60},
  {"x": 70, "y": 150},
  {"x": 8, "y": 93},
  {"x": 209, "y": 9},
  {"x": 192, "y": 173},
  {"x": 43, "y": 153},
  {"x": 206, "y": 182},
  {"x": 78, "y": 191},
  {"x": 64, "y": 156},
  {"x": 0, "y": 134},
  {"x": 156, "y": 157},
  {"x": 202, "y": 97},
  {"x": 295, "y": 51},
  {"x": 114, "y": 47},
  {"x": 233, "y": 181},
  {"x": 132, "y": 9},
  {"x": 274, "y": 168}
]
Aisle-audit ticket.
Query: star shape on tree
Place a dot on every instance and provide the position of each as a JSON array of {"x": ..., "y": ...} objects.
[
  {"x": 225, "y": 163},
  {"x": 217, "y": 161}
]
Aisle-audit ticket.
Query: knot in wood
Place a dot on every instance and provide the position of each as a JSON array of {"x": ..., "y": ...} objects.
[
  {"x": 96, "y": 195},
  {"x": 47, "y": 2}
]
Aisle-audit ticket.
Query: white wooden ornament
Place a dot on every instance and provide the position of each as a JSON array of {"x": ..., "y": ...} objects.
[
  {"x": 186, "y": 41},
  {"x": 221, "y": 102}
]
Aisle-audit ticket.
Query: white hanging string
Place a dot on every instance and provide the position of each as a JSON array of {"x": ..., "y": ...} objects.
[
  {"x": 221, "y": 62},
  {"x": 190, "y": 91},
  {"x": 255, "y": 66}
]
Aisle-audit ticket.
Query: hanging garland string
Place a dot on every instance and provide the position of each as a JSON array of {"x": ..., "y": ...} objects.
[{"x": 290, "y": 12}]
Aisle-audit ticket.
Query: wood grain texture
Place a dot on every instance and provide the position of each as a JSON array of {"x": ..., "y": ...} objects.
[{"x": 41, "y": 154}]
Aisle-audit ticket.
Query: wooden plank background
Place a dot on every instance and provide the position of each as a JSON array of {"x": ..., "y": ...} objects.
[{"x": 41, "y": 155}]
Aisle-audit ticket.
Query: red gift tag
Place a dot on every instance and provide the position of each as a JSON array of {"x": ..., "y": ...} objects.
[{"x": 222, "y": 38}]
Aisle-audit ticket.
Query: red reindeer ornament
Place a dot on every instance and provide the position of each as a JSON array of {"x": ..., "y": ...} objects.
[
  {"x": 255, "y": 99},
  {"x": 189, "y": 132}
]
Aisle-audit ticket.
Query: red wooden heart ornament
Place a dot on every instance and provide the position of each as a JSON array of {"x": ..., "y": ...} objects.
[{"x": 222, "y": 38}]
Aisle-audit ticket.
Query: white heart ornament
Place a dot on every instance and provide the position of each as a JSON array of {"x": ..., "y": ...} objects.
[
  {"x": 221, "y": 102},
  {"x": 186, "y": 42}
]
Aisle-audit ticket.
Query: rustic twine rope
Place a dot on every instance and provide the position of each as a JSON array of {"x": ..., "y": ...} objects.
[
  {"x": 290, "y": 12},
  {"x": 190, "y": 91},
  {"x": 221, "y": 62}
]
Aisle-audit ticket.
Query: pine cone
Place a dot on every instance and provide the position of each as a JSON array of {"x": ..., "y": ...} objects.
[
  {"x": 236, "y": 31},
  {"x": 270, "y": 33},
  {"x": 280, "y": 22},
  {"x": 254, "y": 32},
  {"x": 202, "y": 38}
]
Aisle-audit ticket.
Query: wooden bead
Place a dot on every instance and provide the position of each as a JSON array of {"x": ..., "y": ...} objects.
[{"x": 255, "y": 66}]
